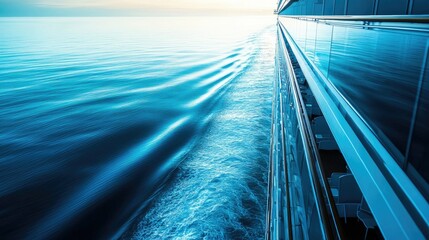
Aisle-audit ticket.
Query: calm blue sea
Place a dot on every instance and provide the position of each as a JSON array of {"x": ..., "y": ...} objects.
[{"x": 135, "y": 128}]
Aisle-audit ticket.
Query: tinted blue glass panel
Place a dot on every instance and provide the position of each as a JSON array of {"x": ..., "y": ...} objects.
[
  {"x": 419, "y": 150},
  {"x": 323, "y": 47},
  {"x": 378, "y": 77},
  {"x": 310, "y": 42},
  {"x": 318, "y": 7},
  {"x": 309, "y": 7},
  {"x": 301, "y": 33},
  {"x": 392, "y": 7},
  {"x": 328, "y": 7},
  {"x": 339, "y": 7},
  {"x": 420, "y": 7},
  {"x": 360, "y": 7}
]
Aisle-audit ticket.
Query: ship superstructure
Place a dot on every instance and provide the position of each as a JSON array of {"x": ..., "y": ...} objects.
[{"x": 350, "y": 127}]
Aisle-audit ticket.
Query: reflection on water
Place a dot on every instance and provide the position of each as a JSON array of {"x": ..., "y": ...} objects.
[{"x": 96, "y": 112}]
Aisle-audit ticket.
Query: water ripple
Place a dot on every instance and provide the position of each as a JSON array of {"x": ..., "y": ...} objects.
[{"x": 96, "y": 113}]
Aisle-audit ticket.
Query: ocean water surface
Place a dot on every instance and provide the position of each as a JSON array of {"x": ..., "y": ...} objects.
[{"x": 142, "y": 128}]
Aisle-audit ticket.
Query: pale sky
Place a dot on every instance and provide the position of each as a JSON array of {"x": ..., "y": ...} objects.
[{"x": 133, "y": 7}]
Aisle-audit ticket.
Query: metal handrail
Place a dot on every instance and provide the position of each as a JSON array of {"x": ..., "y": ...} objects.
[
  {"x": 370, "y": 18},
  {"x": 271, "y": 167},
  {"x": 269, "y": 196},
  {"x": 313, "y": 160},
  {"x": 270, "y": 175},
  {"x": 412, "y": 24},
  {"x": 286, "y": 170}
]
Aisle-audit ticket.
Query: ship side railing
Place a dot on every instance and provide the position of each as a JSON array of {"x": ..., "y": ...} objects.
[
  {"x": 287, "y": 226},
  {"x": 331, "y": 227},
  {"x": 392, "y": 196},
  {"x": 278, "y": 217}
]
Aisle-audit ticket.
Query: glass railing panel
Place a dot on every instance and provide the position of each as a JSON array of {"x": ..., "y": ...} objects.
[
  {"x": 386, "y": 7},
  {"x": 323, "y": 47},
  {"x": 374, "y": 69},
  {"x": 360, "y": 7},
  {"x": 377, "y": 71},
  {"x": 339, "y": 6},
  {"x": 418, "y": 159},
  {"x": 378, "y": 67},
  {"x": 306, "y": 222},
  {"x": 420, "y": 7},
  {"x": 303, "y": 199},
  {"x": 296, "y": 27},
  {"x": 310, "y": 43},
  {"x": 301, "y": 33},
  {"x": 328, "y": 7}
]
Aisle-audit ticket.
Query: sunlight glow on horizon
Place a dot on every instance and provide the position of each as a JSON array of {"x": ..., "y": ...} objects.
[
  {"x": 133, "y": 7},
  {"x": 243, "y": 5}
]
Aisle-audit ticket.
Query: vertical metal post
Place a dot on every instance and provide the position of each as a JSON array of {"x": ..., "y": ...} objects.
[
  {"x": 375, "y": 9},
  {"x": 416, "y": 105},
  {"x": 410, "y": 6},
  {"x": 346, "y": 5}
]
